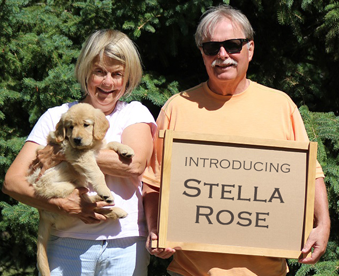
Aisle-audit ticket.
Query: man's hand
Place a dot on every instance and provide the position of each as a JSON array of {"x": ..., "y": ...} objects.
[
  {"x": 319, "y": 235},
  {"x": 318, "y": 241},
  {"x": 163, "y": 253},
  {"x": 151, "y": 199}
]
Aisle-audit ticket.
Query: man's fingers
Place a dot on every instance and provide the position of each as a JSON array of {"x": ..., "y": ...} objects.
[{"x": 164, "y": 253}]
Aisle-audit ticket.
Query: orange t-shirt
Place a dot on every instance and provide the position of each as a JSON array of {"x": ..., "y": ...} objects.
[{"x": 258, "y": 112}]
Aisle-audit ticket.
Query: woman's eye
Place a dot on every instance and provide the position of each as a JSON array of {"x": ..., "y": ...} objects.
[
  {"x": 99, "y": 72},
  {"x": 117, "y": 75}
]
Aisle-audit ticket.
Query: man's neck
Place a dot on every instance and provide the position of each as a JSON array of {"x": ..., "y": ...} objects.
[{"x": 228, "y": 87}]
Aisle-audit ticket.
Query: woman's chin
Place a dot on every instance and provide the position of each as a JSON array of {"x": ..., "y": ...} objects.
[{"x": 106, "y": 98}]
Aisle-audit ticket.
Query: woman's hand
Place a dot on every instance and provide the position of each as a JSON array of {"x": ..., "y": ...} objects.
[
  {"x": 16, "y": 186},
  {"x": 76, "y": 205}
]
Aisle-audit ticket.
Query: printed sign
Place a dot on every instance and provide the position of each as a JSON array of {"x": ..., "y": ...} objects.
[{"x": 236, "y": 195}]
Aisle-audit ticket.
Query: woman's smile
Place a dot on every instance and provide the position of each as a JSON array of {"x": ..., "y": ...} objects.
[{"x": 106, "y": 84}]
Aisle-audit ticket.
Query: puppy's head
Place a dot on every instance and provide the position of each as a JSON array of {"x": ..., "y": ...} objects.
[{"x": 82, "y": 125}]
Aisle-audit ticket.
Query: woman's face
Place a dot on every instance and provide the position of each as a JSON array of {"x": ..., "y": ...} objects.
[{"x": 106, "y": 84}]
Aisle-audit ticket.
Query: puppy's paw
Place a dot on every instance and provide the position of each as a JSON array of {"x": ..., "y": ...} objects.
[
  {"x": 112, "y": 212},
  {"x": 108, "y": 199},
  {"x": 122, "y": 150},
  {"x": 126, "y": 152},
  {"x": 103, "y": 191},
  {"x": 119, "y": 212}
]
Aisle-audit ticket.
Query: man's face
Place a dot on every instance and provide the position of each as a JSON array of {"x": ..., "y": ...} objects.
[{"x": 223, "y": 67}]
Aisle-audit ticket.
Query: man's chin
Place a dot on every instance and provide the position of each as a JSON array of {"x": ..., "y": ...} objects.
[{"x": 224, "y": 75}]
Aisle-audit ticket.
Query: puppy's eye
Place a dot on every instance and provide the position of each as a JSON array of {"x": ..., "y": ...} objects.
[
  {"x": 86, "y": 125},
  {"x": 71, "y": 127}
]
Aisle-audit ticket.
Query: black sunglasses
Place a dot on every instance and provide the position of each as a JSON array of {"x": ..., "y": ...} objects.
[{"x": 231, "y": 46}]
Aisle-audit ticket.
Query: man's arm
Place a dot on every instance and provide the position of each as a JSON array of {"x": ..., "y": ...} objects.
[
  {"x": 319, "y": 235},
  {"x": 151, "y": 199}
]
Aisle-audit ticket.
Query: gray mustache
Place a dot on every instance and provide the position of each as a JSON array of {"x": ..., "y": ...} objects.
[{"x": 224, "y": 62}]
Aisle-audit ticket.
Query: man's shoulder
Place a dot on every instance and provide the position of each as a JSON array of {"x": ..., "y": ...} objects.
[
  {"x": 269, "y": 92},
  {"x": 194, "y": 89},
  {"x": 185, "y": 95}
]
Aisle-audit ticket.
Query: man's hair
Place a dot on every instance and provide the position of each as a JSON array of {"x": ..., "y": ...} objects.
[
  {"x": 112, "y": 44},
  {"x": 213, "y": 15}
]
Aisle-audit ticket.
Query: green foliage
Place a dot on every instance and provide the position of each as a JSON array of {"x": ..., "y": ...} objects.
[
  {"x": 323, "y": 128},
  {"x": 18, "y": 228},
  {"x": 296, "y": 51},
  {"x": 319, "y": 269},
  {"x": 329, "y": 29},
  {"x": 155, "y": 89}
]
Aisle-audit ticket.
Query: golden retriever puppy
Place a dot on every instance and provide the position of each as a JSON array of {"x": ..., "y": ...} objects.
[{"x": 79, "y": 134}]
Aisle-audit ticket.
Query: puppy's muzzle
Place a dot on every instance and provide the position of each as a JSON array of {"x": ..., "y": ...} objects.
[{"x": 77, "y": 141}]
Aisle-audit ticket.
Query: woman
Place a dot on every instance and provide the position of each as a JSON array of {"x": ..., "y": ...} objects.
[{"x": 108, "y": 68}]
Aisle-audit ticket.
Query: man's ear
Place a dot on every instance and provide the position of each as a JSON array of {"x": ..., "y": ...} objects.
[
  {"x": 250, "y": 50},
  {"x": 200, "y": 49}
]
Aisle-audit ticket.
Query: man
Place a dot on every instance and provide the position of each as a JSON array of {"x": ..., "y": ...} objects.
[{"x": 230, "y": 104}]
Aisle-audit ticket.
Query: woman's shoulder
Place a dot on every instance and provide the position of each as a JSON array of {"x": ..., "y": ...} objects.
[
  {"x": 132, "y": 112},
  {"x": 131, "y": 107},
  {"x": 61, "y": 108},
  {"x": 123, "y": 104},
  {"x": 53, "y": 114}
]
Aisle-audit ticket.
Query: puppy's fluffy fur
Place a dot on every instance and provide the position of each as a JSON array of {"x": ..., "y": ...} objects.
[{"x": 80, "y": 133}]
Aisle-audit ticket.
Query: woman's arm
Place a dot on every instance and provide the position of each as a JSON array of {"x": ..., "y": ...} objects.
[
  {"x": 139, "y": 138},
  {"x": 16, "y": 186}
]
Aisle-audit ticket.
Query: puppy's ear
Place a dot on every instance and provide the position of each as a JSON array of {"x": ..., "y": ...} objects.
[
  {"x": 101, "y": 125},
  {"x": 60, "y": 131}
]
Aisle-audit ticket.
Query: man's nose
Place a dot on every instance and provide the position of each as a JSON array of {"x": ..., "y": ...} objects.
[{"x": 223, "y": 53}]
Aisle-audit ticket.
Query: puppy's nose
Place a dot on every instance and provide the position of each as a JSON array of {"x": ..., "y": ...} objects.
[{"x": 77, "y": 141}]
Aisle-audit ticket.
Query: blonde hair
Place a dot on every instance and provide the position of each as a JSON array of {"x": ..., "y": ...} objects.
[
  {"x": 115, "y": 45},
  {"x": 213, "y": 15}
]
